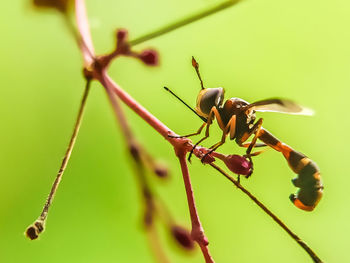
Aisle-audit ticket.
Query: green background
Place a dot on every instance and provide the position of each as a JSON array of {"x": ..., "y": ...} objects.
[{"x": 255, "y": 50}]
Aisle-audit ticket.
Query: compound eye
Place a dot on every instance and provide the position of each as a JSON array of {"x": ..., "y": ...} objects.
[{"x": 207, "y": 98}]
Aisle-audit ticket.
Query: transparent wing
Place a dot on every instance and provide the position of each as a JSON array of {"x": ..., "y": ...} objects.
[{"x": 280, "y": 105}]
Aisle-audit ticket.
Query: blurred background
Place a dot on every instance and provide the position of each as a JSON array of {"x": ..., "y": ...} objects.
[{"x": 255, "y": 50}]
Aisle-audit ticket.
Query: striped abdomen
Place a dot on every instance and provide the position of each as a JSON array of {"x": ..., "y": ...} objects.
[{"x": 308, "y": 180}]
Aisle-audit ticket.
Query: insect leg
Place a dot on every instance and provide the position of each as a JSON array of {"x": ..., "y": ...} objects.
[
  {"x": 213, "y": 113},
  {"x": 208, "y": 123},
  {"x": 230, "y": 128},
  {"x": 191, "y": 134},
  {"x": 255, "y": 129},
  {"x": 246, "y": 145}
]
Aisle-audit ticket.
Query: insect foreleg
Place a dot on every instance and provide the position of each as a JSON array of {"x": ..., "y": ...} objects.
[
  {"x": 230, "y": 128},
  {"x": 191, "y": 134},
  {"x": 213, "y": 114}
]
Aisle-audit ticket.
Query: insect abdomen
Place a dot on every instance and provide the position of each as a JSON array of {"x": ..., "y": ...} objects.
[{"x": 308, "y": 180}]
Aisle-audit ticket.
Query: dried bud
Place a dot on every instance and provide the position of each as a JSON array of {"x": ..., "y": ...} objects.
[
  {"x": 61, "y": 5},
  {"x": 34, "y": 230},
  {"x": 183, "y": 237},
  {"x": 238, "y": 164},
  {"x": 122, "y": 35},
  {"x": 149, "y": 57}
]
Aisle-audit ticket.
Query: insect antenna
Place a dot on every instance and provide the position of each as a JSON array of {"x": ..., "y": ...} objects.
[
  {"x": 172, "y": 93},
  {"x": 196, "y": 66}
]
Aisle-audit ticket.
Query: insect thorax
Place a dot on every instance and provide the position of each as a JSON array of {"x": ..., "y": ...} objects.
[{"x": 244, "y": 118}]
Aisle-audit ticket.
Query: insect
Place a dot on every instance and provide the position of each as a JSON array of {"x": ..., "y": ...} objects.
[{"x": 236, "y": 118}]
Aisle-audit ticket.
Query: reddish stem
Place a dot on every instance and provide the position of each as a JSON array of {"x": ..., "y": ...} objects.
[
  {"x": 197, "y": 232},
  {"x": 119, "y": 113},
  {"x": 135, "y": 106},
  {"x": 86, "y": 45}
]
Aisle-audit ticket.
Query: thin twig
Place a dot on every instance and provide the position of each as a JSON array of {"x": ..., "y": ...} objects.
[
  {"x": 34, "y": 230},
  {"x": 137, "y": 107},
  {"x": 86, "y": 44},
  {"x": 184, "y": 21},
  {"x": 68, "y": 151},
  {"x": 197, "y": 232},
  {"x": 120, "y": 116},
  {"x": 312, "y": 254}
]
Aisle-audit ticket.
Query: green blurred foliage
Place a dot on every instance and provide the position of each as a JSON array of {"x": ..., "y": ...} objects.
[{"x": 255, "y": 50}]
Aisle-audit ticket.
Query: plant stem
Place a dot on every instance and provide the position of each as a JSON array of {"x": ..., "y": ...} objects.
[
  {"x": 184, "y": 21},
  {"x": 86, "y": 45},
  {"x": 311, "y": 253},
  {"x": 197, "y": 232},
  {"x": 134, "y": 105},
  {"x": 68, "y": 152},
  {"x": 34, "y": 230}
]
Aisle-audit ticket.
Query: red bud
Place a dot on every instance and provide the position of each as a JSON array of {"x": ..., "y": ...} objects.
[
  {"x": 238, "y": 164},
  {"x": 149, "y": 57},
  {"x": 183, "y": 237},
  {"x": 122, "y": 35}
]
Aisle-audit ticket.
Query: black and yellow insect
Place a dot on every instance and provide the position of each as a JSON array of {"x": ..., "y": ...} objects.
[{"x": 237, "y": 119}]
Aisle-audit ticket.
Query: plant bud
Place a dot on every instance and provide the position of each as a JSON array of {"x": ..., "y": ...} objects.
[
  {"x": 238, "y": 164},
  {"x": 149, "y": 57},
  {"x": 122, "y": 35},
  {"x": 161, "y": 170},
  {"x": 183, "y": 237}
]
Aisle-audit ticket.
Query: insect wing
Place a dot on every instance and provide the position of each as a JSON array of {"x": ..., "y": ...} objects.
[{"x": 280, "y": 105}]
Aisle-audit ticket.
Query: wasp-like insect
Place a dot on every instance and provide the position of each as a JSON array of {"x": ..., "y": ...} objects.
[{"x": 237, "y": 119}]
